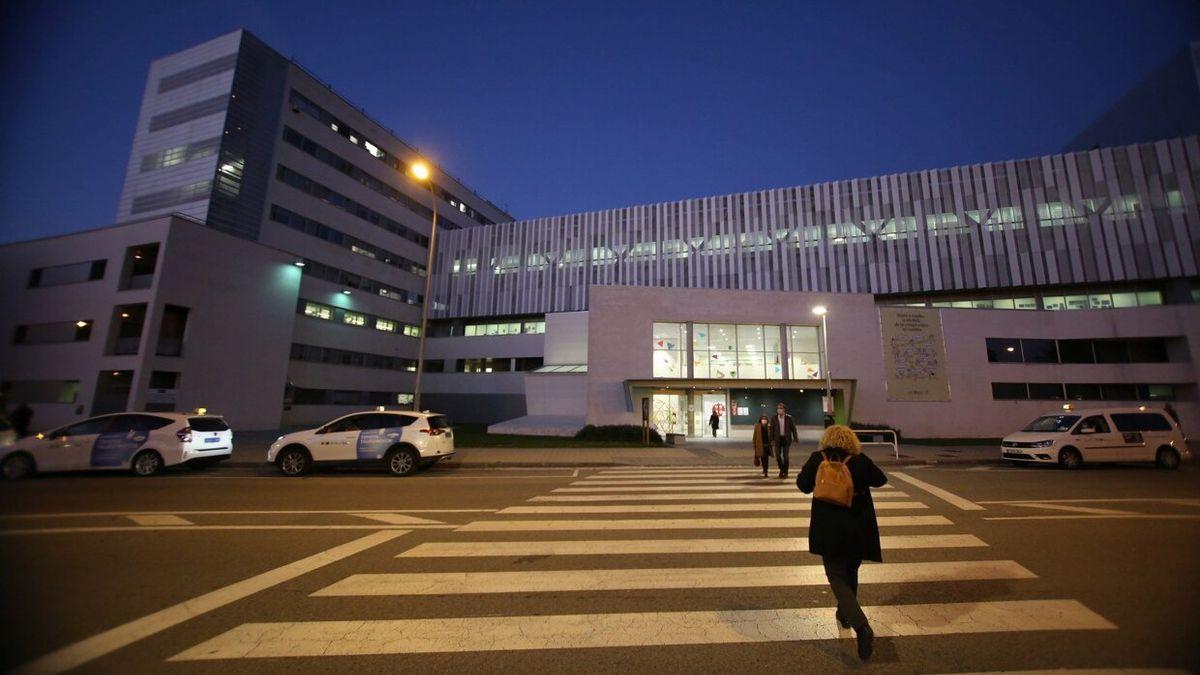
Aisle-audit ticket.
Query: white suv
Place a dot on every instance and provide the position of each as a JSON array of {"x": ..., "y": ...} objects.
[
  {"x": 401, "y": 441},
  {"x": 1071, "y": 437},
  {"x": 143, "y": 443}
]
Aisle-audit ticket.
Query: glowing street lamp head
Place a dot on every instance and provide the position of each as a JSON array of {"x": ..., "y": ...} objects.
[
  {"x": 420, "y": 170},
  {"x": 820, "y": 310}
]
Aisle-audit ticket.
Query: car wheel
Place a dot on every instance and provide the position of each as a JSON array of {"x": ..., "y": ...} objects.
[
  {"x": 1070, "y": 459},
  {"x": 293, "y": 461},
  {"x": 1168, "y": 458},
  {"x": 402, "y": 461},
  {"x": 146, "y": 463},
  {"x": 17, "y": 466}
]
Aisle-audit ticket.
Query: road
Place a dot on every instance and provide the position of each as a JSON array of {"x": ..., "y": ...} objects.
[{"x": 695, "y": 569}]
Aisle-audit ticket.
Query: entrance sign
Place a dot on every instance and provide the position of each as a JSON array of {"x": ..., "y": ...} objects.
[{"x": 914, "y": 354}]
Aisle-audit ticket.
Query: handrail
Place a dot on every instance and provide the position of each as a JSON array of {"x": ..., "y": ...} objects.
[{"x": 895, "y": 442}]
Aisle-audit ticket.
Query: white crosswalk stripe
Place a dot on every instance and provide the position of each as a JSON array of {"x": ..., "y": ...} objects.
[
  {"x": 619, "y": 497},
  {"x": 579, "y": 631},
  {"x": 766, "y": 487},
  {"x": 695, "y": 508},
  {"x": 678, "y": 524}
]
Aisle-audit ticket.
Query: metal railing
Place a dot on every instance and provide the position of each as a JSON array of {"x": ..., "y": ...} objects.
[{"x": 895, "y": 442}]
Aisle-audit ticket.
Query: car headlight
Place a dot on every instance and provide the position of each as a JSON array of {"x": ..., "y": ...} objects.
[{"x": 1043, "y": 444}]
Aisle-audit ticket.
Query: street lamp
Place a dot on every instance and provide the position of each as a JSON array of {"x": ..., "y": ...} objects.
[
  {"x": 827, "y": 403},
  {"x": 422, "y": 172}
]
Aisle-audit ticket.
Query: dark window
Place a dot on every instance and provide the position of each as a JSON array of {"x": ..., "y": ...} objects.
[
  {"x": 316, "y": 229},
  {"x": 207, "y": 424},
  {"x": 1076, "y": 351},
  {"x": 343, "y": 357},
  {"x": 1111, "y": 351},
  {"x": 40, "y": 391},
  {"x": 140, "y": 263},
  {"x": 175, "y": 196},
  {"x": 124, "y": 423},
  {"x": 197, "y": 73},
  {"x": 1004, "y": 350},
  {"x": 1009, "y": 391},
  {"x": 529, "y": 363},
  {"x": 170, "y": 335},
  {"x": 73, "y": 273},
  {"x": 164, "y": 379},
  {"x": 1096, "y": 424},
  {"x": 391, "y": 421},
  {"x": 1119, "y": 392},
  {"x": 351, "y": 423},
  {"x": 301, "y": 396},
  {"x": 1084, "y": 392},
  {"x": 51, "y": 333},
  {"x": 1052, "y": 423},
  {"x": 1150, "y": 350},
  {"x": 128, "y": 321},
  {"x": 1044, "y": 391},
  {"x": 95, "y": 425},
  {"x": 1156, "y": 392},
  {"x": 438, "y": 422},
  {"x": 315, "y": 189},
  {"x": 435, "y": 366},
  {"x": 190, "y": 112},
  {"x": 1141, "y": 422},
  {"x": 1039, "y": 351},
  {"x": 180, "y": 154}
]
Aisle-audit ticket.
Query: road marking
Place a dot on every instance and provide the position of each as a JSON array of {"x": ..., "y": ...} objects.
[
  {"x": 1100, "y": 500},
  {"x": 210, "y": 528},
  {"x": 124, "y": 635},
  {"x": 1082, "y": 671},
  {"x": 675, "y": 476},
  {"x": 793, "y": 495},
  {"x": 748, "y": 480},
  {"x": 695, "y": 508},
  {"x": 681, "y": 470},
  {"x": 678, "y": 524},
  {"x": 763, "y": 487},
  {"x": 148, "y": 519},
  {"x": 94, "y": 514},
  {"x": 643, "y": 629},
  {"x": 469, "y": 583},
  {"x": 485, "y": 549},
  {"x": 1073, "y": 509},
  {"x": 397, "y": 519},
  {"x": 938, "y": 492},
  {"x": 1131, "y": 516}
]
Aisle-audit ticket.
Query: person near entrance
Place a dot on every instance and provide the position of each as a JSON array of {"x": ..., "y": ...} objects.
[
  {"x": 845, "y": 536},
  {"x": 762, "y": 444},
  {"x": 783, "y": 433},
  {"x": 714, "y": 421}
]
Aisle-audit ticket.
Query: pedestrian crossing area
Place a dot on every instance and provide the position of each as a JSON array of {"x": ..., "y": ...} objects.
[{"x": 633, "y": 534}]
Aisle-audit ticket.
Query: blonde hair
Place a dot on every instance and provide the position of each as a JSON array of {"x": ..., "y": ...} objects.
[{"x": 841, "y": 436}]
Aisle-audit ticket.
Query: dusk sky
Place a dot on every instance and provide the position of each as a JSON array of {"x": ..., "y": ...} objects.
[{"x": 557, "y": 107}]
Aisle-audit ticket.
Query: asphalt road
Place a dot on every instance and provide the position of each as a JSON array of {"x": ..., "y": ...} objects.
[{"x": 592, "y": 570}]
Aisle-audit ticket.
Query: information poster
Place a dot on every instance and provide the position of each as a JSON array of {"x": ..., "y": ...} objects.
[{"x": 914, "y": 356}]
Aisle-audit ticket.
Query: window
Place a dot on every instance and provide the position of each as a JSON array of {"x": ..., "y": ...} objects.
[
  {"x": 435, "y": 366},
  {"x": 804, "y": 352},
  {"x": 40, "y": 391},
  {"x": 318, "y": 311},
  {"x": 1006, "y": 391},
  {"x": 207, "y": 424},
  {"x": 1045, "y": 391},
  {"x": 1141, "y": 422},
  {"x": 188, "y": 113},
  {"x": 1110, "y": 351},
  {"x": 1060, "y": 423},
  {"x": 74, "y": 273},
  {"x": 314, "y": 189},
  {"x": 1039, "y": 351},
  {"x": 180, "y": 154},
  {"x": 385, "y": 325},
  {"x": 313, "y": 228},
  {"x": 140, "y": 263},
  {"x": 483, "y": 365},
  {"x": 300, "y": 396},
  {"x": 1096, "y": 424},
  {"x": 1076, "y": 351},
  {"x": 127, "y": 329},
  {"x": 527, "y": 363},
  {"x": 344, "y": 357},
  {"x": 351, "y": 280},
  {"x": 534, "y": 327},
  {"x": 354, "y": 319},
  {"x": 350, "y": 423},
  {"x": 50, "y": 333},
  {"x": 175, "y": 196},
  {"x": 1084, "y": 392},
  {"x": 1004, "y": 350},
  {"x": 669, "y": 350},
  {"x": 1119, "y": 392},
  {"x": 1156, "y": 392},
  {"x": 412, "y": 331},
  {"x": 197, "y": 73},
  {"x": 90, "y": 427},
  {"x": 1149, "y": 350},
  {"x": 172, "y": 331}
]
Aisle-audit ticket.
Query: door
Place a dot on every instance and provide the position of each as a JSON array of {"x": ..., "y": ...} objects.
[
  {"x": 337, "y": 441},
  {"x": 667, "y": 414},
  {"x": 379, "y": 433},
  {"x": 1142, "y": 433},
  {"x": 119, "y": 440},
  {"x": 1096, "y": 440},
  {"x": 71, "y": 447},
  {"x": 708, "y": 405}
]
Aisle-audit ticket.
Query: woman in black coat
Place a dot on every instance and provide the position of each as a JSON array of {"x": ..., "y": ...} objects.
[{"x": 845, "y": 537}]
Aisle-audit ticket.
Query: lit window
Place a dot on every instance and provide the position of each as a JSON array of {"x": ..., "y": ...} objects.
[
  {"x": 385, "y": 325},
  {"x": 669, "y": 349},
  {"x": 1149, "y": 298},
  {"x": 362, "y": 251},
  {"x": 412, "y": 331},
  {"x": 318, "y": 311},
  {"x": 354, "y": 319}
]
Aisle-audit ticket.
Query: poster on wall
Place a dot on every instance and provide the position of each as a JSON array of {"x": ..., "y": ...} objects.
[{"x": 914, "y": 355}]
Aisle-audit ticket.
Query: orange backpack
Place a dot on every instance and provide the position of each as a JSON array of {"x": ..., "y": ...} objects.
[{"x": 834, "y": 483}]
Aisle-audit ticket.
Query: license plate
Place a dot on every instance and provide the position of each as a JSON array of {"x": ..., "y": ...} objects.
[{"x": 213, "y": 440}]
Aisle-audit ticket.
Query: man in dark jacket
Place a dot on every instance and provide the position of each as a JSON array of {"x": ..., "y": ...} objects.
[
  {"x": 845, "y": 537},
  {"x": 783, "y": 433},
  {"x": 20, "y": 418}
]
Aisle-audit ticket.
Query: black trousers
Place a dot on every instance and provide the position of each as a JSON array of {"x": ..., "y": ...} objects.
[
  {"x": 842, "y": 573},
  {"x": 766, "y": 460},
  {"x": 781, "y": 456}
]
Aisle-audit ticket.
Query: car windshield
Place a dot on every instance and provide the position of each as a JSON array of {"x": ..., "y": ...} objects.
[
  {"x": 438, "y": 422},
  {"x": 1052, "y": 423}
]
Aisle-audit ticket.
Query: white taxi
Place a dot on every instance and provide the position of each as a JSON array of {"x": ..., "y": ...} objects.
[
  {"x": 402, "y": 441},
  {"x": 1070, "y": 437},
  {"x": 143, "y": 443}
]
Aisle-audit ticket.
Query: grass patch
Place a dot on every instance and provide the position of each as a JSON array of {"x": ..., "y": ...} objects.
[{"x": 476, "y": 436}]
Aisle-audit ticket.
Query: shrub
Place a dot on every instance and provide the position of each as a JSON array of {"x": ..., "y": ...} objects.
[
  {"x": 625, "y": 433},
  {"x": 876, "y": 425}
]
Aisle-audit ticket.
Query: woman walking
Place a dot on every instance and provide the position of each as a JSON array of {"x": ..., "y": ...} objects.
[
  {"x": 762, "y": 443},
  {"x": 845, "y": 536}
]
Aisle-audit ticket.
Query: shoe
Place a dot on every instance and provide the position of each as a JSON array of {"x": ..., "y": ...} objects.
[
  {"x": 866, "y": 637},
  {"x": 844, "y": 624}
]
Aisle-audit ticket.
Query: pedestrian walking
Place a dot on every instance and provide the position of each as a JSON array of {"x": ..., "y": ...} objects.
[
  {"x": 762, "y": 444},
  {"x": 714, "y": 421},
  {"x": 844, "y": 536},
  {"x": 783, "y": 434},
  {"x": 21, "y": 416}
]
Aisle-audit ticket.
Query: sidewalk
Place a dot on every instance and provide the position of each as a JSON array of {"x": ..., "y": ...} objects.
[{"x": 250, "y": 448}]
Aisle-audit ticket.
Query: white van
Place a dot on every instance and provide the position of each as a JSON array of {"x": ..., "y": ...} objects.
[{"x": 1071, "y": 437}]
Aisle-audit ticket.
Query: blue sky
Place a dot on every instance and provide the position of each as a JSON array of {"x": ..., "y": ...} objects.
[{"x": 557, "y": 107}]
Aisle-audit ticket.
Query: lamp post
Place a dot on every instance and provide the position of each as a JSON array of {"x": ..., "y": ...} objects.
[
  {"x": 422, "y": 172},
  {"x": 827, "y": 402}
]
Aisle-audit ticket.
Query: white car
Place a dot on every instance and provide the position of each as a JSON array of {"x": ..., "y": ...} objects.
[
  {"x": 402, "y": 441},
  {"x": 143, "y": 443},
  {"x": 8, "y": 435},
  {"x": 1070, "y": 437}
]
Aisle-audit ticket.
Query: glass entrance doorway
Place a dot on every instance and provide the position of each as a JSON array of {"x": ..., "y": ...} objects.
[
  {"x": 704, "y": 405},
  {"x": 668, "y": 414}
]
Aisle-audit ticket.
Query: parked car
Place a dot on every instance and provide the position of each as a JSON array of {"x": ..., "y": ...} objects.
[
  {"x": 8, "y": 435},
  {"x": 1071, "y": 437},
  {"x": 401, "y": 441},
  {"x": 143, "y": 443}
]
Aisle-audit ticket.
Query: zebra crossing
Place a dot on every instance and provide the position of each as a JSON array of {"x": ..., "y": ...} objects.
[{"x": 584, "y": 536}]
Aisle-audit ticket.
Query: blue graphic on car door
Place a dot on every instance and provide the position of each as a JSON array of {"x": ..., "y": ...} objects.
[
  {"x": 115, "y": 448},
  {"x": 373, "y": 443}
]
